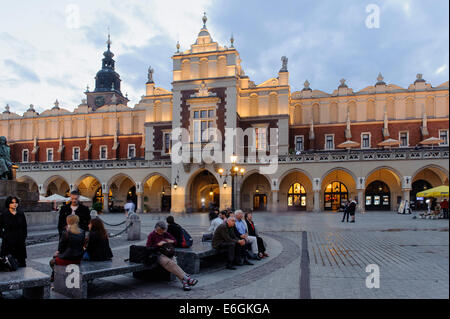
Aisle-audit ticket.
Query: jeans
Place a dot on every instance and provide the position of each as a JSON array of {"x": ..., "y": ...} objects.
[{"x": 346, "y": 213}]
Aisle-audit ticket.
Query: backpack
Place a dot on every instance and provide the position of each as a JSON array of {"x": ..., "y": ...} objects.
[
  {"x": 142, "y": 255},
  {"x": 8, "y": 263},
  {"x": 186, "y": 239}
]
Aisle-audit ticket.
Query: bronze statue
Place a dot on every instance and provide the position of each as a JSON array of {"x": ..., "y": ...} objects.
[{"x": 5, "y": 160}]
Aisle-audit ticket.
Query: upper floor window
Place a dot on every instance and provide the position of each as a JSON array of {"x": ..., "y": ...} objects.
[
  {"x": 131, "y": 151},
  {"x": 103, "y": 152},
  {"x": 443, "y": 135},
  {"x": 167, "y": 142},
  {"x": 299, "y": 143},
  {"x": 365, "y": 140},
  {"x": 404, "y": 139},
  {"x": 203, "y": 124},
  {"x": 261, "y": 138},
  {"x": 76, "y": 154},
  {"x": 25, "y": 156},
  {"x": 49, "y": 154},
  {"x": 329, "y": 141}
]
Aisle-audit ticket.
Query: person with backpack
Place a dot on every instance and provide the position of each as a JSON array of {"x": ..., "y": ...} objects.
[
  {"x": 13, "y": 231},
  {"x": 182, "y": 237}
]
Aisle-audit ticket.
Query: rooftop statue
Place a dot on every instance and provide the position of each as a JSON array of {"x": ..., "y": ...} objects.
[
  {"x": 284, "y": 61},
  {"x": 150, "y": 74},
  {"x": 5, "y": 160}
]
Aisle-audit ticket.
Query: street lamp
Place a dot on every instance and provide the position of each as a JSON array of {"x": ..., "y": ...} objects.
[{"x": 235, "y": 170}]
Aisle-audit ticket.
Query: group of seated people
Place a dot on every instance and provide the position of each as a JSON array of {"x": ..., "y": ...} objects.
[
  {"x": 75, "y": 244},
  {"x": 236, "y": 233}
]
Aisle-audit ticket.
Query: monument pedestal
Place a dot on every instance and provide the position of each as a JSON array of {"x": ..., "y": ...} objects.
[{"x": 28, "y": 200}]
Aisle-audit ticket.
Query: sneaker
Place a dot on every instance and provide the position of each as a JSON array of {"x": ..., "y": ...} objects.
[
  {"x": 231, "y": 267},
  {"x": 186, "y": 286},
  {"x": 352, "y": 221},
  {"x": 192, "y": 281}
]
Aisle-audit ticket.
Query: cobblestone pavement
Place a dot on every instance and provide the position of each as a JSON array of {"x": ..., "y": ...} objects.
[{"x": 311, "y": 255}]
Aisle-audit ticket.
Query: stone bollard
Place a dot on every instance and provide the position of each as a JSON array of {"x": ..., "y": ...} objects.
[{"x": 134, "y": 231}]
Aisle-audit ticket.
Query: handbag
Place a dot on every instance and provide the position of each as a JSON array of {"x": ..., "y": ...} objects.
[
  {"x": 167, "y": 249},
  {"x": 142, "y": 255},
  {"x": 8, "y": 263}
]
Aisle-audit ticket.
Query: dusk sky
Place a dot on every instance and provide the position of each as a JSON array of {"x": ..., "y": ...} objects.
[{"x": 52, "y": 49}]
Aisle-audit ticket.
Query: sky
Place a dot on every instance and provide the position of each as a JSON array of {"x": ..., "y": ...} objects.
[{"x": 52, "y": 49}]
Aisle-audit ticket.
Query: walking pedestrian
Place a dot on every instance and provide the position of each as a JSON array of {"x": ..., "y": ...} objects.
[{"x": 346, "y": 212}]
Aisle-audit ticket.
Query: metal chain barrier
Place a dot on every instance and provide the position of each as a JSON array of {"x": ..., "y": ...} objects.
[
  {"x": 113, "y": 225},
  {"x": 121, "y": 232}
]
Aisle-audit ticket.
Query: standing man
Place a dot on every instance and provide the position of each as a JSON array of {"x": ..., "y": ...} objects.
[{"x": 74, "y": 208}]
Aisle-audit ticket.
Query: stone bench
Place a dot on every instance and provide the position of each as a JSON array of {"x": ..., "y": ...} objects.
[
  {"x": 90, "y": 270},
  {"x": 34, "y": 284},
  {"x": 189, "y": 259}
]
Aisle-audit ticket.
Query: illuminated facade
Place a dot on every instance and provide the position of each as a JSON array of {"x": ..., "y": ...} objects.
[{"x": 105, "y": 146}]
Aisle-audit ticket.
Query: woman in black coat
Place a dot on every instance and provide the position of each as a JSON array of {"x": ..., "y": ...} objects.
[
  {"x": 98, "y": 248},
  {"x": 13, "y": 231}
]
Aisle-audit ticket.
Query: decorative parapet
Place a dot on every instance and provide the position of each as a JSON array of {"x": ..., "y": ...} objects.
[
  {"x": 89, "y": 165},
  {"x": 313, "y": 157}
]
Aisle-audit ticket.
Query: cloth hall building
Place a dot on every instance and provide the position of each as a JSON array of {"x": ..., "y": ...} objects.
[{"x": 328, "y": 144}]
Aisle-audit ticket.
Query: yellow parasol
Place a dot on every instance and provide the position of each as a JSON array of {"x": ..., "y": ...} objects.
[{"x": 440, "y": 191}]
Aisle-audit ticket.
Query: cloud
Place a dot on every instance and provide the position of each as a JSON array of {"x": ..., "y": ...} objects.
[
  {"x": 21, "y": 71},
  {"x": 441, "y": 69},
  {"x": 324, "y": 42}
]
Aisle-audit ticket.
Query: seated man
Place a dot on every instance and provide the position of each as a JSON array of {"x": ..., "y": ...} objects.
[
  {"x": 225, "y": 238},
  {"x": 241, "y": 227},
  {"x": 216, "y": 222}
]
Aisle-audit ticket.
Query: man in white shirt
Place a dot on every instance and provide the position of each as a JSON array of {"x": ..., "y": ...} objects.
[
  {"x": 129, "y": 207},
  {"x": 241, "y": 226},
  {"x": 216, "y": 222}
]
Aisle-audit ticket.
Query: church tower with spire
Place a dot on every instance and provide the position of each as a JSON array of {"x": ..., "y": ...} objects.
[{"x": 107, "y": 83}]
